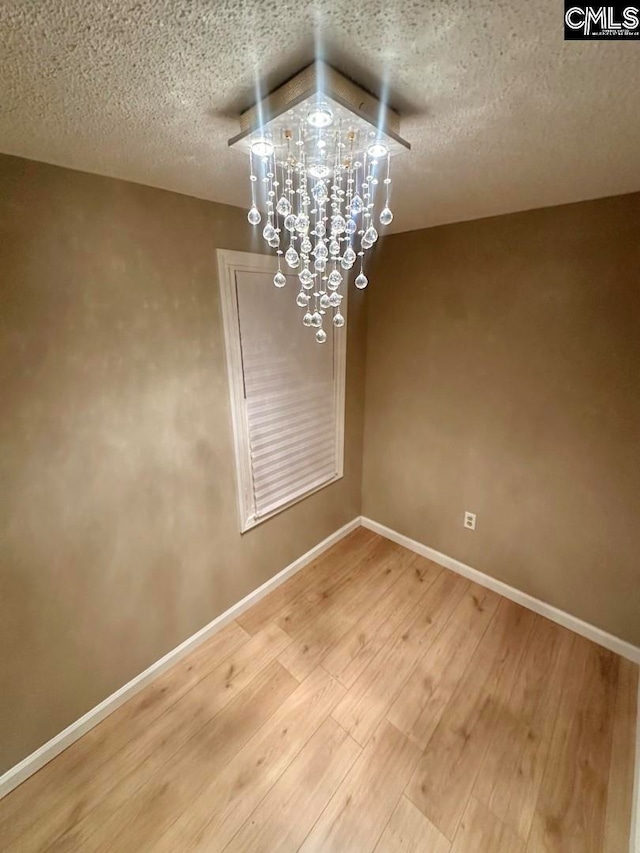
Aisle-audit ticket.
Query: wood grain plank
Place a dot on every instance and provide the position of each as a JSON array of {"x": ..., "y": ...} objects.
[
  {"x": 443, "y": 780},
  {"x": 421, "y": 702},
  {"x": 226, "y": 801},
  {"x": 481, "y": 831},
  {"x": 288, "y": 812},
  {"x": 511, "y": 773},
  {"x": 358, "y": 813},
  {"x": 169, "y": 730},
  {"x": 308, "y": 580},
  {"x": 620, "y": 786},
  {"x": 365, "y": 568},
  {"x": 226, "y": 748},
  {"x": 367, "y": 702},
  {"x": 330, "y": 623},
  {"x": 58, "y": 782},
  {"x": 350, "y": 656},
  {"x": 570, "y": 812},
  {"x": 146, "y": 802},
  {"x": 408, "y": 831}
]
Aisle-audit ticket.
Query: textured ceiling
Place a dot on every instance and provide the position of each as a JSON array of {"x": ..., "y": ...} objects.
[{"x": 502, "y": 114}]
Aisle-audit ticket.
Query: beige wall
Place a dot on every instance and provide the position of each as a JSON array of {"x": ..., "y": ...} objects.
[
  {"x": 503, "y": 377},
  {"x": 118, "y": 526}
]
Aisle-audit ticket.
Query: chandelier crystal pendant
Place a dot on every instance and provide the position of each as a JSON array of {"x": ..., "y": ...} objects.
[{"x": 319, "y": 151}]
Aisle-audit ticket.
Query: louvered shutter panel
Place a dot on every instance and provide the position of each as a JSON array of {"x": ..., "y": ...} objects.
[{"x": 289, "y": 392}]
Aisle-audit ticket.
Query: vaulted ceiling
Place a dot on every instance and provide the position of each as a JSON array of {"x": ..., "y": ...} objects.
[{"x": 502, "y": 113}]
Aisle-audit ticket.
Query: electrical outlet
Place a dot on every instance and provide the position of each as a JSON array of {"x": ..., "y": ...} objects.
[{"x": 470, "y": 520}]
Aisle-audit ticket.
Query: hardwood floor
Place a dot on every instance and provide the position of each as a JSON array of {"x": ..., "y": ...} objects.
[{"x": 374, "y": 702}]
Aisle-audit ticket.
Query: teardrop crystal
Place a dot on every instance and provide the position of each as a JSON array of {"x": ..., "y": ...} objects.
[
  {"x": 316, "y": 319},
  {"x": 302, "y": 299},
  {"x": 361, "y": 281},
  {"x": 290, "y": 222},
  {"x": 319, "y": 192},
  {"x": 335, "y": 280},
  {"x": 302, "y": 222},
  {"x": 348, "y": 259},
  {"x": 268, "y": 232},
  {"x": 279, "y": 280},
  {"x": 292, "y": 257},
  {"x": 351, "y": 226},
  {"x": 283, "y": 206},
  {"x": 307, "y": 320},
  {"x": 335, "y": 299},
  {"x": 324, "y": 300},
  {"x": 370, "y": 235},
  {"x": 338, "y": 224},
  {"x": 306, "y": 276},
  {"x": 338, "y": 320},
  {"x": 321, "y": 336},
  {"x": 254, "y": 216},
  {"x": 356, "y": 205},
  {"x": 386, "y": 216}
]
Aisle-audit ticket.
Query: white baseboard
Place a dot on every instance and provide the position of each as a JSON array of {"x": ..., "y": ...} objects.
[
  {"x": 585, "y": 629},
  {"x": 15, "y": 775},
  {"x": 29, "y": 765},
  {"x": 635, "y": 814}
]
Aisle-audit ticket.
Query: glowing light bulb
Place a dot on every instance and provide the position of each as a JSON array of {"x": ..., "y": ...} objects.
[
  {"x": 320, "y": 116},
  {"x": 262, "y": 147},
  {"x": 377, "y": 149}
]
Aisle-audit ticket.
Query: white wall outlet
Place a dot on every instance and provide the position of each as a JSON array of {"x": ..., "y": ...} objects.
[{"x": 470, "y": 520}]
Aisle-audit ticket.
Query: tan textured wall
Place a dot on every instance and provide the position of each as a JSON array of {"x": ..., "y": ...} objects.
[
  {"x": 118, "y": 527},
  {"x": 503, "y": 377}
]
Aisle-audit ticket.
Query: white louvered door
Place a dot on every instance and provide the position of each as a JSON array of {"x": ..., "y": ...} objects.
[{"x": 291, "y": 401}]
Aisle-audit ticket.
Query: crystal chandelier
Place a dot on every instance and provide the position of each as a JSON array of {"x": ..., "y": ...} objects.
[{"x": 319, "y": 151}]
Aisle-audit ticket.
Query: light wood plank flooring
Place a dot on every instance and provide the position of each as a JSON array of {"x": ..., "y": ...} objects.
[{"x": 374, "y": 702}]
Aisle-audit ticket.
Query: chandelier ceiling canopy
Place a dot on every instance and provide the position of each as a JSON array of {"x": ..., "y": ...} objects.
[{"x": 319, "y": 151}]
